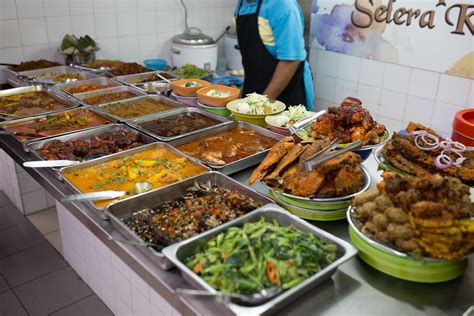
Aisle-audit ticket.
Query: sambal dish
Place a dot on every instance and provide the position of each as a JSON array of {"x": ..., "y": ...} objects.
[
  {"x": 35, "y": 64},
  {"x": 102, "y": 98},
  {"x": 194, "y": 212},
  {"x": 180, "y": 124},
  {"x": 129, "y": 69},
  {"x": 104, "y": 63},
  {"x": 226, "y": 147},
  {"x": 142, "y": 107},
  {"x": 30, "y": 103},
  {"x": 87, "y": 88},
  {"x": 158, "y": 166},
  {"x": 78, "y": 149}
]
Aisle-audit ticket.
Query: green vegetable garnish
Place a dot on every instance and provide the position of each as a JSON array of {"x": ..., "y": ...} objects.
[{"x": 190, "y": 71}]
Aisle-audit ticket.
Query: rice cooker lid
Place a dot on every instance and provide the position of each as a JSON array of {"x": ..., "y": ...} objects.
[{"x": 193, "y": 37}]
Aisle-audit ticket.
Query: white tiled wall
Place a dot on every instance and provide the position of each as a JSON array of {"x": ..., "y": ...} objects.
[
  {"x": 131, "y": 30},
  {"x": 121, "y": 289},
  {"x": 394, "y": 94}
]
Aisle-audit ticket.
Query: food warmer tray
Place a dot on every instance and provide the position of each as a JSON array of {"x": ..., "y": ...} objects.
[
  {"x": 38, "y": 88},
  {"x": 65, "y": 69},
  {"x": 239, "y": 164},
  {"x": 158, "y": 98},
  {"x": 101, "y": 81},
  {"x": 5, "y": 124},
  {"x": 34, "y": 146},
  {"x": 120, "y": 155},
  {"x": 129, "y": 79},
  {"x": 84, "y": 95},
  {"x": 11, "y": 77},
  {"x": 182, "y": 250},
  {"x": 137, "y": 121},
  {"x": 123, "y": 209}
]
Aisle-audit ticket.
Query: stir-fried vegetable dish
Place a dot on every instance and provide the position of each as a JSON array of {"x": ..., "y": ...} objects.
[
  {"x": 193, "y": 213},
  {"x": 158, "y": 166},
  {"x": 30, "y": 103},
  {"x": 134, "y": 109},
  {"x": 190, "y": 71},
  {"x": 259, "y": 255}
]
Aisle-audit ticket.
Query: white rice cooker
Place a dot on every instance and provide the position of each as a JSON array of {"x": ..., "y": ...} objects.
[
  {"x": 232, "y": 50},
  {"x": 194, "y": 47}
]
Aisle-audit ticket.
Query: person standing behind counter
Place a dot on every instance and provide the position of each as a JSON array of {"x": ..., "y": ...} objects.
[{"x": 270, "y": 37}]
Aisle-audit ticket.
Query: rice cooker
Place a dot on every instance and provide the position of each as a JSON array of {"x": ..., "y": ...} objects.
[
  {"x": 194, "y": 47},
  {"x": 232, "y": 50}
]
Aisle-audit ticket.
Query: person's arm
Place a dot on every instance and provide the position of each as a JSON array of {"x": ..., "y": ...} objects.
[{"x": 284, "y": 71}]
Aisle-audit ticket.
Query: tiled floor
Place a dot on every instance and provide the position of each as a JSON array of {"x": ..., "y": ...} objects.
[{"x": 34, "y": 277}]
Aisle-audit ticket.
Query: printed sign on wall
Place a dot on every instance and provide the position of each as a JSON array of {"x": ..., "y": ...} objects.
[{"x": 436, "y": 35}]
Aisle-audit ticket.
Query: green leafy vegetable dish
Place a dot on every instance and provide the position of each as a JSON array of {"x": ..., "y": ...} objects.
[
  {"x": 190, "y": 71},
  {"x": 258, "y": 255}
]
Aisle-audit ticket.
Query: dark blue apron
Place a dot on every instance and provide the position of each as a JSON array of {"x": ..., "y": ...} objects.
[{"x": 259, "y": 64}]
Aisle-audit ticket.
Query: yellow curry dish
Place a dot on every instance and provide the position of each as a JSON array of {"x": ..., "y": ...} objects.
[{"x": 159, "y": 166}]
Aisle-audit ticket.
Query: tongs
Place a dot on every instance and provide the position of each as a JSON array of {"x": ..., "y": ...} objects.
[
  {"x": 319, "y": 157},
  {"x": 304, "y": 122}
]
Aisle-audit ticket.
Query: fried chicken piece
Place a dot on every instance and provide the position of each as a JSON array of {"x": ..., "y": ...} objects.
[
  {"x": 288, "y": 159},
  {"x": 396, "y": 215},
  {"x": 383, "y": 202},
  {"x": 412, "y": 127},
  {"x": 371, "y": 137},
  {"x": 369, "y": 229},
  {"x": 408, "y": 245},
  {"x": 358, "y": 133},
  {"x": 351, "y": 101},
  {"x": 397, "y": 231},
  {"x": 305, "y": 183},
  {"x": 381, "y": 221},
  {"x": 367, "y": 211},
  {"x": 346, "y": 159},
  {"x": 323, "y": 127},
  {"x": 277, "y": 152},
  {"x": 348, "y": 180}
]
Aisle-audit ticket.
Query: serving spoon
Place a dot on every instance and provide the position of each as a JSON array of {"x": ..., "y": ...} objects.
[
  {"x": 138, "y": 188},
  {"x": 60, "y": 163},
  {"x": 254, "y": 299}
]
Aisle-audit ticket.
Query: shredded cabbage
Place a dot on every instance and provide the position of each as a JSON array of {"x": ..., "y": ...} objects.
[{"x": 256, "y": 103}]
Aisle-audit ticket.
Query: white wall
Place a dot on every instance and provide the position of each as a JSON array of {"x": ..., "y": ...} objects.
[
  {"x": 394, "y": 94},
  {"x": 130, "y": 30}
]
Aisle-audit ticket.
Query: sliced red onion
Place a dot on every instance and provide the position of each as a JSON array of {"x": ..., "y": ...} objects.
[
  {"x": 458, "y": 147},
  {"x": 429, "y": 145},
  {"x": 443, "y": 161},
  {"x": 458, "y": 160},
  {"x": 445, "y": 144}
]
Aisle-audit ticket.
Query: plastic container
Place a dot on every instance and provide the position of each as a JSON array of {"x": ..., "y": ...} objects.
[
  {"x": 256, "y": 119},
  {"x": 215, "y": 101},
  {"x": 463, "y": 127},
  {"x": 192, "y": 101},
  {"x": 155, "y": 64},
  {"x": 222, "y": 111},
  {"x": 180, "y": 90}
]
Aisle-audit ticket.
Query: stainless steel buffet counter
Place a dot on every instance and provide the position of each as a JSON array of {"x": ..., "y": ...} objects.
[{"x": 355, "y": 289}]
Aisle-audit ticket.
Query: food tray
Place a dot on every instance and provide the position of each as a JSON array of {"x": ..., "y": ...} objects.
[
  {"x": 137, "y": 99},
  {"x": 303, "y": 199},
  {"x": 239, "y": 164},
  {"x": 399, "y": 264},
  {"x": 129, "y": 79},
  {"x": 4, "y": 125},
  {"x": 122, "y": 209},
  {"x": 38, "y": 88},
  {"x": 84, "y": 95},
  {"x": 101, "y": 81},
  {"x": 137, "y": 121},
  {"x": 46, "y": 80},
  {"x": 35, "y": 146},
  {"x": 116, "y": 156},
  {"x": 178, "y": 252},
  {"x": 11, "y": 78}
]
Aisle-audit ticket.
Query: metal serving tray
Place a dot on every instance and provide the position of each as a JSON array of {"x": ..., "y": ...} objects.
[
  {"x": 98, "y": 161},
  {"x": 11, "y": 77},
  {"x": 101, "y": 81},
  {"x": 46, "y": 80},
  {"x": 182, "y": 250},
  {"x": 131, "y": 79},
  {"x": 136, "y": 123},
  {"x": 161, "y": 99},
  {"x": 35, "y": 146},
  {"x": 123, "y": 209},
  {"x": 239, "y": 164},
  {"x": 82, "y": 96},
  {"x": 4, "y": 125},
  {"x": 38, "y": 88}
]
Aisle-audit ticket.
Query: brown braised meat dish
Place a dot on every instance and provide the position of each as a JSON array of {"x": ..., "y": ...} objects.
[
  {"x": 102, "y": 98},
  {"x": 193, "y": 213},
  {"x": 77, "y": 149},
  {"x": 402, "y": 152},
  {"x": 179, "y": 124},
  {"x": 35, "y": 64},
  {"x": 349, "y": 122},
  {"x": 283, "y": 169},
  {"x": 426, "y": 215},
  {"x": 104, "y": 63},
  {"x": 129, "y": 69},
  {"x": 134, "y": 109}
]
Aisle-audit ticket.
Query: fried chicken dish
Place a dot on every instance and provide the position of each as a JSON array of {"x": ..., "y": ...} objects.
[
  {"x": 402, "y": 152},
  {"x": 428, "y": 215},
  {"x": 349, "y": 122},
  {"x": 283, "y": 169}
]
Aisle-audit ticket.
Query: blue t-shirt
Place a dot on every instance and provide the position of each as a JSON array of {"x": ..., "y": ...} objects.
[{"x": 281, "y": 28}]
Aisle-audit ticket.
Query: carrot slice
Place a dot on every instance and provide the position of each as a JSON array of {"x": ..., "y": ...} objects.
[
  {"x": 272, "y": 273},
  {"x": 197, "y": 268}
]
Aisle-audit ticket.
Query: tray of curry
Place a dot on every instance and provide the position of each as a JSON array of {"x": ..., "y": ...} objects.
[
  {"x": 120, "y": 93},
  {"x": 230, "y": 148},
  {"x": 73, "y": 88},
  {"x": 30, "y": 101},
  {"x": 182, "y": 210},
  {"x": 157, "y": 163},
  {"x": 55, "y": 124},
  {"x": 174, "y": 124}
]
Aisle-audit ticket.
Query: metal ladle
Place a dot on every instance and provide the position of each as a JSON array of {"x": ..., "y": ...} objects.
[
  {"x": 138, "y": 188},
  {"x": 254, "y": 299},
  {"x": 60, "y": 163}
]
